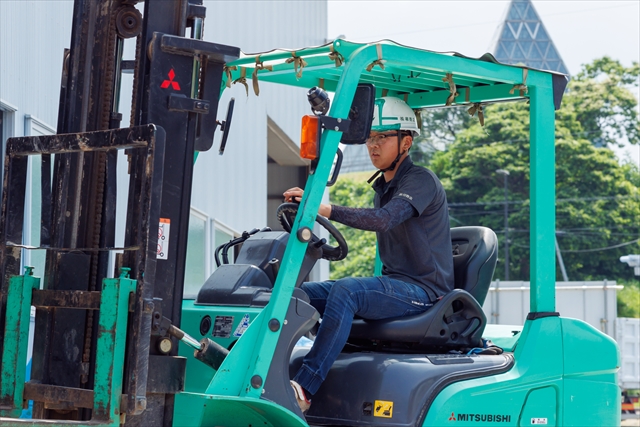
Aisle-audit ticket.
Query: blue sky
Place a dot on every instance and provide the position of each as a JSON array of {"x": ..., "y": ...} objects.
[{"x": 581, "y": 30}]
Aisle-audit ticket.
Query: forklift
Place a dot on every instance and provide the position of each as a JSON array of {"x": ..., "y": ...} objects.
[
  {"x": 100, "y": 355},
  {"x": 146, "y": 357},
  {"x": 423, "y": 370}
]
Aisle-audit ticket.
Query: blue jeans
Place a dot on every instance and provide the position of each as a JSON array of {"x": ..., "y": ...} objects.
[{"x": 338, "y": 302}]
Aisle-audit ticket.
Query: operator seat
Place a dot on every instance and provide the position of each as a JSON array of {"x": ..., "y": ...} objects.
[{"x": 457, "y": 320}]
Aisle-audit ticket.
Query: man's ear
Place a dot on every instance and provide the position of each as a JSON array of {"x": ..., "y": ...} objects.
[{"x": 407, "y": 142}]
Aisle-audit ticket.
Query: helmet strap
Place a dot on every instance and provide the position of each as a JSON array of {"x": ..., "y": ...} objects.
[{"x": 393, "y": 164}]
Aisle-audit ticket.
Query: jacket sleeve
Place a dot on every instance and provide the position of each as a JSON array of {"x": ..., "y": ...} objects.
[{"x": 380, "y": 220}]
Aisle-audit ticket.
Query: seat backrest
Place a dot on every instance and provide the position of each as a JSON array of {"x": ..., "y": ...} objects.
[{"x": 475, "y": 253}]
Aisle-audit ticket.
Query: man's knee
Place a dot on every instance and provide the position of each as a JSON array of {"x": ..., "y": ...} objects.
[
  {"x": 307, "y": 287},
  {"x": 344, "y": 288},
  {"x": 313, "y": 289}
]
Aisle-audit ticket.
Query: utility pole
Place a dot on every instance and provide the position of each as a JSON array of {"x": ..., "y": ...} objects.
[
  {"x": 505, "y": 173},
  {"x": 560, "y": 260}
]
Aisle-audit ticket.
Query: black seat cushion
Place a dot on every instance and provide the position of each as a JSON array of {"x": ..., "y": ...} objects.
[
  {"x": 457, "y": 320},
  {"x": 475, "y": 254}
]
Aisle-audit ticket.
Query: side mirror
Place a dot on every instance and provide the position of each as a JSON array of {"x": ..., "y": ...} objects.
[
  {"x": 361, "y": 115},
  {"x": 226, "y": 125}
]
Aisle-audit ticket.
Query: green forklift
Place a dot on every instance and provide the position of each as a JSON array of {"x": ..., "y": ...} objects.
[
  {"x": 412, "y": 371},
  {"x": 240, "y": 340}
]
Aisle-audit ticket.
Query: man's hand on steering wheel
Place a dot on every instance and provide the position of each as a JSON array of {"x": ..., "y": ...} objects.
[
  {"x": 287, "y": 212},
  {"x": 294, "y": 195}
]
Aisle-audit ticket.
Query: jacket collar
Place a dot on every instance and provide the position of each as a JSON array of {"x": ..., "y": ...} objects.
[{"x": 381, "y": 186}]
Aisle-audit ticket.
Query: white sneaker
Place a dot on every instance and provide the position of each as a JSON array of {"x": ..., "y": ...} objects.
[{"x": 303, "y": 402}]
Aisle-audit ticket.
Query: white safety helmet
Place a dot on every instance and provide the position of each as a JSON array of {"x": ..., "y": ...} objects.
[{"x": 391, "y": 113}]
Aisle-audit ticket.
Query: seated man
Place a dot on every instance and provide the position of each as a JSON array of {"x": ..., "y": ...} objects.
[{"x": 411, "y": 220}]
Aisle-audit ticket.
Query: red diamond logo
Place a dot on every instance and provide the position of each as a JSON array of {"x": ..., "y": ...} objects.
[{"x": 174, "y": 85}]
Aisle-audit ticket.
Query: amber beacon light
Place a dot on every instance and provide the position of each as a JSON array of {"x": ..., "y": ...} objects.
[{"x": 310, "y": 137}]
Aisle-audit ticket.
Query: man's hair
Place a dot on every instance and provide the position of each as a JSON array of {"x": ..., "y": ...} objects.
[{"x": 406, "y": 133}]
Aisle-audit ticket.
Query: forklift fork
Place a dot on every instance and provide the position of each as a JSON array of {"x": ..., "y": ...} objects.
[{"x": 113, "y": 301}]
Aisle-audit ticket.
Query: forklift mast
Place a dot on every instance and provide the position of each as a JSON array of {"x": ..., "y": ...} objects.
[{"x": 176, "y": 86}]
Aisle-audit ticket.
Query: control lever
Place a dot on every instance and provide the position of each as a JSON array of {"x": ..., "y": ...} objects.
[
  {"x": 275, "y": 266},
  {"x": 320, "y": 242},
  {"x": 182, "y": 335},
  {"x": 207, "y": 351}
]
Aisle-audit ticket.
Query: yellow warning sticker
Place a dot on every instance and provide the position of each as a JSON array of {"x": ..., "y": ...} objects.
[{"x": 382, "y": 408}]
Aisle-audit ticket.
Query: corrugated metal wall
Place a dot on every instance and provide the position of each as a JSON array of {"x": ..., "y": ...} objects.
[
  {"x": 233, "y": 188},
  {"x": 33, "y": 35}
]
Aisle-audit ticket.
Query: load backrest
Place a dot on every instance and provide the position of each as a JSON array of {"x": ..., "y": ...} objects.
[{"x": 475, "y": 253}]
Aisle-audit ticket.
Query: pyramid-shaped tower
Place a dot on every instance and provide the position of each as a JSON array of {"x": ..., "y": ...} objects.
[{"x": 523, "y": 39}]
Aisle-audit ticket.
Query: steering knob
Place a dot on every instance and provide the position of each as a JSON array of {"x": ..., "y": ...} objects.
[{"x": 304, "y": 234}]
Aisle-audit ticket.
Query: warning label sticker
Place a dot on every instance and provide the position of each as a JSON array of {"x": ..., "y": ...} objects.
[
  {"x": 163, "y": 238},
  {"x": 222, "y": 326},
  {"x": 244, "y": 324},
  {"x": 382, "y": 408}
]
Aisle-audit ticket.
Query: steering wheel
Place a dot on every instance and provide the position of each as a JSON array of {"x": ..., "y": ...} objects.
[{"x": 287, "y": 212}]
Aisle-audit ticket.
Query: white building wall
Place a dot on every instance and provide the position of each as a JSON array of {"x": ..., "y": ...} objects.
[
  {"x": 507, "y": 303},
  {"x": 33, "y": 35},
  {"x": 628, "y": 338},
  {"x": 232, "y": 188}
]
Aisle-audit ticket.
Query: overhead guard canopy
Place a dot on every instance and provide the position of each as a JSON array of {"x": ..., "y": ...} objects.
[
  {"x": 425, "y": 79},
  {"x": 421, "y": 86}
]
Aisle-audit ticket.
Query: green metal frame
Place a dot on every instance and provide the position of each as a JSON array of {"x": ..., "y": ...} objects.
[
  {"x": 16, "y": 332},
  {"x": 485, "y": 82},
  {"x": 111, "y": 340},
  {"x": 565, "y": 371}
]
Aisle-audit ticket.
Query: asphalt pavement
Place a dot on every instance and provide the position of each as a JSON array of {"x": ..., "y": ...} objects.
[{"x": 632, "y": 421}]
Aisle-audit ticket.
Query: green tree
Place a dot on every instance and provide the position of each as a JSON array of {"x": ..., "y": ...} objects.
[
  {"x": 602, "y": 103},
  {"x": 439, "y": 128},
  {"x": 598, "y": 204},
  {"x": 629, "y": 299},
  {"x": 352, "y": 190}
]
